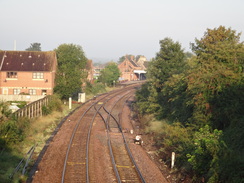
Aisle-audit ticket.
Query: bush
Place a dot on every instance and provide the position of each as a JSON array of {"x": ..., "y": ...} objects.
[
  {"x": 54, "y": 104},
  {"x": 10, "y": 132},
  {"x": 94, "y": 89},
  {"x": 45, "y": 110},
  {"x": 172, "y": 138},
  {"x": 207, "y": 151}
]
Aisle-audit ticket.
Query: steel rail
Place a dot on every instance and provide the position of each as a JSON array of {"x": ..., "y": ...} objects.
[
  {"x": 124, "y": 140},
  {"x": 128, "y": 149},
  {"x": 88, "y": 135},
  {"x": 127, "y": 146},
  {"x": 72, "y": 137},
  {"x": 109, "y": 140}
]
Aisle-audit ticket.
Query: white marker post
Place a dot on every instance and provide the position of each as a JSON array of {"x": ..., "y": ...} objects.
[
  {"x": 70, "y": 103},
  {"x": 172, "y": 160}
]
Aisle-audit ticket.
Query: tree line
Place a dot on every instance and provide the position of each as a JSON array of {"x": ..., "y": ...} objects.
[
  {"x": 198, "y": 102},
  {"x": 72, "y": 72}
]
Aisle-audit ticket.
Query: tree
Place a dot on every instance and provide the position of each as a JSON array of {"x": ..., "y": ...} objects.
[
  {"x": 169, "y": 61},
  {"x": 121, "y": 59},
  {"x": 71, "y": 65},
  {"x": 34, "y": 47},
  {"x": 219, "y": 69},
  {"x": 110, "y": 74},
  {"x": 219, "y": 44},
  {"x": 206, "y": 96}
]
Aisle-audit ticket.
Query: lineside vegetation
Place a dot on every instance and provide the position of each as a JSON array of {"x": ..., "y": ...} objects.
[{"x": 198, "y": 105}]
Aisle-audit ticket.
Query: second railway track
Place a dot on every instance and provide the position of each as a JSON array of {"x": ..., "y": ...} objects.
[{"x": 87, "y": 156}]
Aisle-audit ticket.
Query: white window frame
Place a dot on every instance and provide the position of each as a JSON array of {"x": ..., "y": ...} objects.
[
  {"x": 16, "y": 91},
  {"x": 32, "y": 91},
  {"x": 38, "y": 75}
]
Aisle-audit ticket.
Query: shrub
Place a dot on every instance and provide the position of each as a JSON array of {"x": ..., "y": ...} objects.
[
  {"x": 177, "y": 139},
  {"x": 54, "y": 104},
  {"x": 207, "y": 151},
  {"x": 94, "y": 89},
  {"x": 45, "y": 110},
  {"x": 10, "y": 132},
  {"x": 172, "y": 138}
]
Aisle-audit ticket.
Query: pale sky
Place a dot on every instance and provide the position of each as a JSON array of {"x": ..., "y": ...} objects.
[{"x": 109, "y": 29}]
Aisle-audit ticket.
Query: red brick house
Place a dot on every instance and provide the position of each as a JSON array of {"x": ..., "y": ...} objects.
[
  {"x": 132, "y": 69},
  {"x": 27, "y": 72}
]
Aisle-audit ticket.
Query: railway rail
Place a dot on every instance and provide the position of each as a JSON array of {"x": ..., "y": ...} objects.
[
  {"x": 124, "y": 163},
  {"x": 80, "y": 160}
]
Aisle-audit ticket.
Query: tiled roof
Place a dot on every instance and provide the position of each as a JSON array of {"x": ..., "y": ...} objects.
[
  {"x": 27, "y": 61},
  {"x": 131, "y": 60},
  {"x": 133, "y": 63}
]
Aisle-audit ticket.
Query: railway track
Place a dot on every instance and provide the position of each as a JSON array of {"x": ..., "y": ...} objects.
[{"x": 100, "y": 124}]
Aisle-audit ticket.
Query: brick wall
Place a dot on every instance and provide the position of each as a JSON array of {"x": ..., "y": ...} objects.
[
  {"x": 127, "y": 71},
  {"x": 24, "y": 82}
]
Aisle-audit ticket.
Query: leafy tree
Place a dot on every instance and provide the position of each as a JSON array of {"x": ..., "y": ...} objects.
[
  {"x": 142, "y": 96},
  {"x": 71, "y": 64},
  {"x": 34, "y": 47},
  {"x": 177, "y": 103},
  {"x": 168, "y": 62},
  {"x": 202, "y": 91},
  {"x": 219, "y": 44},
  {"x": 109, "y": 74},
  {"x": 219, "y": 57},
  {"x": 137, "y": 57},
  {"x": 188, "y": 55},
  {"x": 121, "y": 59}
]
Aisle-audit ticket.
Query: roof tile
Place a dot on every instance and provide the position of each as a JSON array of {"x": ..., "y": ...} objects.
[{"x": 27, "y": 61}]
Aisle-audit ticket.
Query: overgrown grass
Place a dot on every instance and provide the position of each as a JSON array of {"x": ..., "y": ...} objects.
[
  {"x": 170, "y": 138},
  {"x": 34, "y": 132},
  {"x": 37, "y": 132}
]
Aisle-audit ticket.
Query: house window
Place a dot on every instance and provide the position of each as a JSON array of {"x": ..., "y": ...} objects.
[
  {"x": 44, "y": 92},
  {"x": 38, "y": 75},
  {"x": 12, "y": 75},
  {"x": 16, "y": 91},
  {"x": 32, "y": 92}
]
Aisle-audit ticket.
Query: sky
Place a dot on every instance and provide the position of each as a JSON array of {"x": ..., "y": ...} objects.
[{"x": 110, "y": 29}]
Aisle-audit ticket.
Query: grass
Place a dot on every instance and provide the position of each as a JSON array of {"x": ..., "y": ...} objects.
[{"x": 38, "y": 133}]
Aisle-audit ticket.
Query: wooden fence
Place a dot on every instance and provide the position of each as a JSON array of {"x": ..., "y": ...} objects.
[{"x": 33, "y": 109}]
